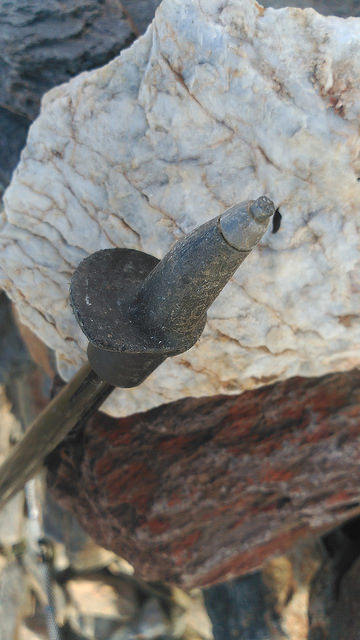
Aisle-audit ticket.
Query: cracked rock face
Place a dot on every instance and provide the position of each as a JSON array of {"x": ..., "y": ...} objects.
[
  {"x": 44, "y": 44},
  {"x": 220, "y": 101}
]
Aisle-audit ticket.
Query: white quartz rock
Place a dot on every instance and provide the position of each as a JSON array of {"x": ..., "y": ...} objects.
[{"x": 220, "y": 101}]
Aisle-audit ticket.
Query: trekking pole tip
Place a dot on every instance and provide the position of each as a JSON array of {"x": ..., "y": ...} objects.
[
  {"x": 262, "y": 209},
  {"x": 244, "y": 224}
]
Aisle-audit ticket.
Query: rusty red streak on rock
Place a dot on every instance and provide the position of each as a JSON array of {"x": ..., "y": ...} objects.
[{"x": 180, "y": 487}]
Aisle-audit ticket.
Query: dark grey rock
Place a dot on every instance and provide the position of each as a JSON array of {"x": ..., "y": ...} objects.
[
  {"x": 326, "y": 7},
  {"x": 237, "y": 609},
  {"x": 334, "y": 595},
  {"x": 141, "y": 12},
  {"x": 43, "y": 44},
  {"x": 62, "y": 526},
  {"x": 14, "y": 357},
  {"x": 13, "y": 131},
  {"x": 345, "y": 616}
]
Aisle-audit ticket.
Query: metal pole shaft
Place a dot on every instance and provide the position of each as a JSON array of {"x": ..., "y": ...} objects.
[{"x": 77, "y": 400}]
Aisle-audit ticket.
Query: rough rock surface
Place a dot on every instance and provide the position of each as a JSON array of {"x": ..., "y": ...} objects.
[
  {"x": 345, "y": 616},
  {"x": 13, "y": 127},
  {"x": 59, "y": 39},
  {"x": 140, "y": 12},
  {"x": 44, "y": 45},
  {"x": 11, "y": 516},
  {"x": 340, "y": 8},
  {"x": 202, "y": 111},
  {"x": 238, "y": 609},
  {"x": 200, "y": 491}
]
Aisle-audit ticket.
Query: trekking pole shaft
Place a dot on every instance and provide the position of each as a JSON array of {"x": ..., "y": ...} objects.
[{"x": 77, "y": 400}]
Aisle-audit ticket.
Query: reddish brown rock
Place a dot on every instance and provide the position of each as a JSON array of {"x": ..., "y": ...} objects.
[{"x": 199, "y": 491}]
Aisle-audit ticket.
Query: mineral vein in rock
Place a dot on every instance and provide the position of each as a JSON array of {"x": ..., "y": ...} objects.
[{"x": 220, "y": 101}]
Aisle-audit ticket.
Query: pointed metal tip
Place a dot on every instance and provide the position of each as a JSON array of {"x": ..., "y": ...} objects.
[
  {"x": 262, "y": 209},
  {"x": 244, "y": 224}
]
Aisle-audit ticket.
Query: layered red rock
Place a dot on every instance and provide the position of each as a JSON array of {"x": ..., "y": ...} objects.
[{"x": 202, "y": 490}]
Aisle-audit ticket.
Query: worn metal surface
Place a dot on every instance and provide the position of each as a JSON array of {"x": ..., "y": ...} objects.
[
  {"x": 175, "y": 297},
  {"x": 102, "y": 289},
  {"x": 137, "y": 311}
]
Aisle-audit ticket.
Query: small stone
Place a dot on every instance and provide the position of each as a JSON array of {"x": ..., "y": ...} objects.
[
  {"x": 25, "y": 633},
  {"x": 152, "y": 622},
  {"x": 345, "y": 614},
  {"x": 238, "y": 608},
  {"x": 288, "y": 580},
  {"x": 82, "y": 553},
  {"x": 191, "y": 615},
  {"x": 61, "y": 560},
  {"x": 12, "y": 515},
  {"x": 12, "y": 521},
  {"x": 98, "y": 597},
  {"x": 123, "y": 633},
  {"x": 91, "y": 557},
  {"x": 12, "y": 600},
  {"x": 120, "y": 566}
]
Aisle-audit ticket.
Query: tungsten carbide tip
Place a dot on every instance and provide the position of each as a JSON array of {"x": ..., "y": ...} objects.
[
  {"x": 243, "y": 225},
  {"x": 262, "y": 209}
]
